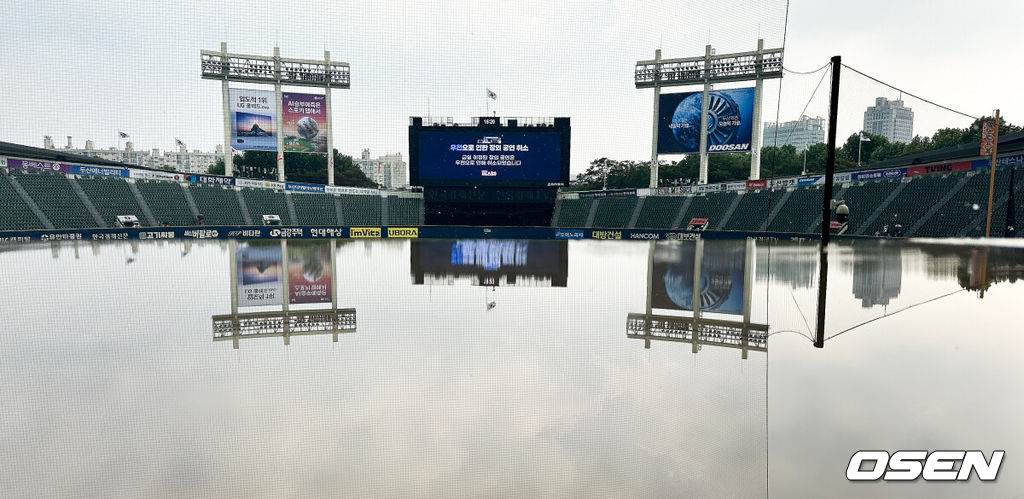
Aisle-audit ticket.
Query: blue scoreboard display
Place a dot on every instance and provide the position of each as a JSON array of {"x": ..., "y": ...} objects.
[{"x": 513, "y": 156}]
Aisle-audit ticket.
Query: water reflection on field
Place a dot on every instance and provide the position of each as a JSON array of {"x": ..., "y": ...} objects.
[{"x": 498, "y": 368}]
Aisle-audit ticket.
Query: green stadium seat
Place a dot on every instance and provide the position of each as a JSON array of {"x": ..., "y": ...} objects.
[
  {"x": 111, "y": 197},
  {"x": 166, "y": 202},
  {"x": 16, "y": 213},
  {"x": 53, "y": 193},
  {"x": 614, "y": 212}
]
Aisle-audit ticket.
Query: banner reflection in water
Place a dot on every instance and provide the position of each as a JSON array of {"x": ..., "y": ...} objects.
[
  {"x": 309, "y": 272},
  {"x": 721, "y": 278},
  {"x": 259, "y": 273}
]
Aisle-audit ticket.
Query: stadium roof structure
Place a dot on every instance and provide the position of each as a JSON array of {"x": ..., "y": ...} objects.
[
  {"x": 1011, "y": 142},
  {"x": 57, "y": 155}
]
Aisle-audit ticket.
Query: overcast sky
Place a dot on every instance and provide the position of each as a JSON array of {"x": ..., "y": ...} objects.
[{"x": 90, "y": 69}]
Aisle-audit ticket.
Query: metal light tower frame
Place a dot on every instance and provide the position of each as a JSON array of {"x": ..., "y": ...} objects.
[
  {"x": 276, "y": 70},
  {"x": 758, "y": 65}
]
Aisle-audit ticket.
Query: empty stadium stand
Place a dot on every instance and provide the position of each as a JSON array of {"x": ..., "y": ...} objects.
[
  {"x": 360, "y": 210},
  {"x": 404, "y": 211},
  {"x": 802, "y": 205},
  {"x": 166, "y": 201},
  {"x": 614, "y": 212},
  {"x": 711, "y": 206},
  {"x": 927, "y": 205},
  {"x": 16, "y": 213},
  {"x": 574, "y": 212},
  {"x": 267, "y": 202},
  {"x": 751, "y": 211},
  {"x": 218, "y": 205},
  {"x": 659, "y": 212},
  {"x": 56, "y": 198},
  {"x": 919, "y": 194},
  {"x": 111, "y": 197},
  {"x": 314, "y": 209}
]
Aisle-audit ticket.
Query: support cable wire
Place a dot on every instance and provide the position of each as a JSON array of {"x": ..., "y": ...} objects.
[
  {"x": 910, "y": 94},
  {"x": 904, "y": 309},
  {"x": 815, "y": 92},
  {"x": 827, "y": 65},
  {"x": 778, "y": 106}
]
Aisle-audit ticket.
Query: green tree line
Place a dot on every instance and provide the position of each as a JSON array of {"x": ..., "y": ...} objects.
[
  {"x": 299, "y": 167},
  {"x": 782, "y": 161}
]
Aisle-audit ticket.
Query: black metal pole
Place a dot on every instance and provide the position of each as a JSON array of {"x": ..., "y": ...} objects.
[
  {"x": 1010, "y": 230},
  {"x": 830, "y": 154},
  {"x": 826, "y": 206}
]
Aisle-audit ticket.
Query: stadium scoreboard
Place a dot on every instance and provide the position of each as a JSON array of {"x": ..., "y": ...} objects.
[{"x": 489, "y": 154}]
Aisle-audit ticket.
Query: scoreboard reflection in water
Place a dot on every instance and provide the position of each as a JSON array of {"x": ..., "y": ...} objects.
[
  {"x": 490, "y": 262},
  {"x": 495, "y": 156}
]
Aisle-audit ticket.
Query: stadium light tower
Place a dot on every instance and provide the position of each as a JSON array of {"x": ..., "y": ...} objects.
[
  {"x": 705, "y": 70},
  {"x": 276, "y": 70}
]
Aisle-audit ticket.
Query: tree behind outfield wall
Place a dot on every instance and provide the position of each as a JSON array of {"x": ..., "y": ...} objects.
[{"x": 299, "y": 167}]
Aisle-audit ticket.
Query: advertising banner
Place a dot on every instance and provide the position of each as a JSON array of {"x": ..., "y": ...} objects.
[
  {"x": 259, "y": 273},
  {"x": 721, "y": 278},
  {"x": 300, "y": 187},
  {"x": 959, "y": 166},
  {"x": 608, "y": 193},
  {"x": 782, "y": 182},
  {"x": 988, "y": 133},
  {"x": 265, "y": 184},
  {"x": 838, "y": 178},
  {"x": 730, "y": 121},
  {"x": 736, "y": 186},
  {"x": 210, "y": 179},
  {"x": 99, "y": 170},
  {"x": 756, "y": 184},
  {"x": 879, "y": 174},
  {"x": 1015, "y": 159},
  {"x": 309, "y": 272},
  {"x": 304, "y": 122},
  {"x": 334, "y": 189},
  {"x": 24, "y": 164},
  {"x": 814, "y": 180},
  {"x": 155, "y": 175},
  {"x": 253, "y": 119}
]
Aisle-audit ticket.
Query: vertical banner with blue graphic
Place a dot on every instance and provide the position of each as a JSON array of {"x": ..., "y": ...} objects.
[
  {"x": 253, "y": 119},
  {"x": 730, "y": 121}
]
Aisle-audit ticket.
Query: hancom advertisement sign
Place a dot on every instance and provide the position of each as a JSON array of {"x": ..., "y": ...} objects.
[
  {"x": 304, "y": 122},
  {"x": 259, "y": 273},
  {"x": 309, "y": 272},
  {"x": 730, "y": 121},
  {"x": 253, "y": 120}
]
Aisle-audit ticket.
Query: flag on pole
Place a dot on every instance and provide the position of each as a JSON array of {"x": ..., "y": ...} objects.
[
  {"x": 988, "y": 132},
  {"x": 492, "y": 95},
  {"x": 864, "y": 138},
  {"x": 123, "y": 135}
]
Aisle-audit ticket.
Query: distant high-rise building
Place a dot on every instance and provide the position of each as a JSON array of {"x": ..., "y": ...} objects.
[
  {"x": 388, "y": 171},
  {"x": 890, "y": 119},
  {"x": 802, "y": 133}
]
